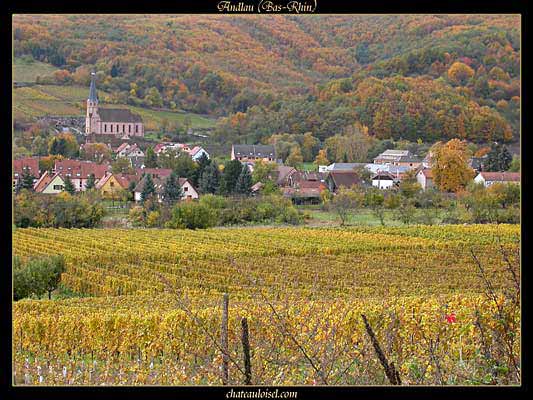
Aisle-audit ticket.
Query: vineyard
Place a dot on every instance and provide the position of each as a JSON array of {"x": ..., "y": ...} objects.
[{"x": 442, "y": 302}]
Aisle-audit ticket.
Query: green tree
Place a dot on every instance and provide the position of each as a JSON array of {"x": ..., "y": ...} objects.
[
  {"x": 232, "y": 170},
  {"x": 202, "y": 163},
  {"x": 310, "y": 147},
  {"x": 263, "y": 171},
  {"x": 150, "y": 160},
  {"x": 149, "y": 189},
  {"x": 22, "y": 283},
  {"x": 345, "y": 201},
  {"x": 515, "y": 164},
  {"x": 192, "y": 215},
  {"x": 122, "y": 165},
  {"x": 244, "y": 182},
  {"x": 69, "y": 186},
  {"x": 26, "y": 181},
  {"x": 153, "y": 98},
  {"x": 210, "y": 179},
  {"x": 498, "y": 159},
  {"x": 406, "y": 211},
  {"x": 375, "y": 200},
  {"x": 64, "y": 144},
  {"x": 409, "y": 186},
  {"x": 172, "y": 191},
  {"x": 91, "y": 182},
  {"x": 39, "y": 146},
  {"x": 38, "y": 276}
]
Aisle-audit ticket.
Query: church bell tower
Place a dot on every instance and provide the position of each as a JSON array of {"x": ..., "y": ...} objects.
[{"x": 92, "y": 107}]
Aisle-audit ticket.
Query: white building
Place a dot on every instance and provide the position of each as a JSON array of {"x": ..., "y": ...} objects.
[
  {"x": 188, "y": 190},
  {"x": 490, "y": 178},
  {"x": 383, "y": 180},
  {"x": 425, "y": 178}
]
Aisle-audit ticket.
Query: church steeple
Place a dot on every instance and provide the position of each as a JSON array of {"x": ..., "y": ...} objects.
[
  {"x": 91, "y": 118},
  {"x": 92, "y": 91}
]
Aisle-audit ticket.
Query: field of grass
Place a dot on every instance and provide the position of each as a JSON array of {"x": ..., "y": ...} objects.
[
  {"x": 360, "y": 217},
  {"x": 153, "y": 312},
  {"x": 28, "y": 71},
  {"x": 41, "y": 100}
]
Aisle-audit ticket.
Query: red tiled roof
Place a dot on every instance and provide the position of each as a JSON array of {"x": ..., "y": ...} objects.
[
  {"x": 43, "y": 181},
  {"x": 30, "y": 164},
  {"x": 161, "y": 172},
  {"x": 501, "y": 176},
  {"x": 83, "y": 168},
  {"x": 121, "y": 147},
  {"x": 194, "y": 150},
  {"x": 126, "y": 179}
]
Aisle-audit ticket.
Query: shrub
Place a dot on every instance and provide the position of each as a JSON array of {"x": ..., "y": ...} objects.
[
  {"x": 192, "y": 215},
  {"x": 153, "y": 219}
]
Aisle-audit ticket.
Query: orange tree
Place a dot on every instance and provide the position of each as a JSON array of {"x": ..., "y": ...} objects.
[{"x": 449, "y": 163}]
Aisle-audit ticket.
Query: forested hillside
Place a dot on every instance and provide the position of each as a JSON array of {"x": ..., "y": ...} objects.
[{"x": 409, "y": 77}]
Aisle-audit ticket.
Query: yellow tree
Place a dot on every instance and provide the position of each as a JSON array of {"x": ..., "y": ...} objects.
[
  {"x": 449, "y": 163},
  {"x": 321, "y": 158},
  {"x": 459, "y": 73},
  {"x": 295, "y": 158}
]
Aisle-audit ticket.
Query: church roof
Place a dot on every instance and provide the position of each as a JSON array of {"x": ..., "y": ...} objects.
[
  {"x": 92, "y": 91},
  {"x": 118, "y": 115}
]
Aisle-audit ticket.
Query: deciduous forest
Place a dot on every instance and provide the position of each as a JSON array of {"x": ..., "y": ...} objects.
[{"x": 402, "y": 77}]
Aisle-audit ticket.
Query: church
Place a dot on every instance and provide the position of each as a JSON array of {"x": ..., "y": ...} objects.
[{"x": 110, "y": 121}]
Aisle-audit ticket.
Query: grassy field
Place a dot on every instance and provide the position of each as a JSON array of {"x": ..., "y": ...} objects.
[
  {"x": 364, "y": 217},
  {"x": 41, "y": 100},
  {"x": 28, "y": 71},
  {"x": 151, "y": 307}
]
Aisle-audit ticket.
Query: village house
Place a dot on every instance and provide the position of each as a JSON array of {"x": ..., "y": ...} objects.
[
  {"x": 383, "y": 180},
  {"x": 110, "y": 121},
  {"x": 79, "y": 171},
  {"x": 157, "y": 173},
  {"x": 283, "y": 175},
  {"x": 188, "y": 190},
  {"x": 304, "y": 187},
  {"x": 49, "y": 183},
  {"x": 110, "y": 187},
  {"x": 29, "y": 165},
  {"x": 424, "y": 177},
  {"x": 344, "y": 167},
  {"x": 391, "y": 156},
  {"x": 166, "y": 146},
  {"x": 253, "y": 152},
  {"x": 490, "y": 178},
  {"x": 198, "y": 152},
  {"x": 478, "y": 163},
  {"x": 195, "y": 152},
  {"x": 337, "y": 179},
  {"x": 129, "y": 150},
  {"x": 402, "y": 158}
]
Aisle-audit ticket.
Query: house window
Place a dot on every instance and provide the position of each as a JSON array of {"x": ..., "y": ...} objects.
[
  {"x": 111, "y": 128},
  {"x": 136, "y": 128},
  {"x": 111, "y": 184},
  {"x": 105, "y": 127},
  {"x": 185, "y": 189},
  {"x": 123, "y": 128},
  {"x": 58, "y": 187},
  {"x": 129, "y": 128}
]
